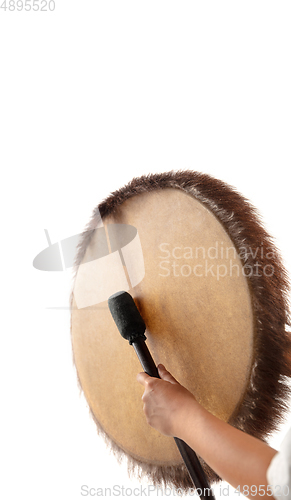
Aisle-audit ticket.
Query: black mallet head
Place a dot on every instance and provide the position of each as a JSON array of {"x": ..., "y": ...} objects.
[{"x": 126, "y": 316}]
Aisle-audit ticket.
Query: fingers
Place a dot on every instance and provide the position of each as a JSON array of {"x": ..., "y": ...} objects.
[
  {"x": 165, "y": 375},
  {"x": 144, "y": 379}
]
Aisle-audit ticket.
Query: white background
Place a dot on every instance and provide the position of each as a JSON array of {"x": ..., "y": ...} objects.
[{"x": 91, "y": 95}]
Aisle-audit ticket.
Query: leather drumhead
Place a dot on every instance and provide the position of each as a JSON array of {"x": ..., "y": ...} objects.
[{"x": 195, "y": 301}]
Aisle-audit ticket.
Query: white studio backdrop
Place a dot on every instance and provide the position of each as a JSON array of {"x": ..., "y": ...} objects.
[{"x": 93, "y": 94}]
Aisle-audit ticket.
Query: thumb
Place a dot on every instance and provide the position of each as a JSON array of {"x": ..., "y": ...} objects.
[
  {"x": 143, "y": 378},
  {"x": 165, "y": 375}
]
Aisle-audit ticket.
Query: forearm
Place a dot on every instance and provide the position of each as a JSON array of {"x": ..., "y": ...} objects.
[
  {"x": 235, "y": 456},
  {"x": 238, "y": 458}
]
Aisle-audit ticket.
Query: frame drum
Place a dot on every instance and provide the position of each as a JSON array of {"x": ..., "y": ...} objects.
[{"x": 212, "y": 290}]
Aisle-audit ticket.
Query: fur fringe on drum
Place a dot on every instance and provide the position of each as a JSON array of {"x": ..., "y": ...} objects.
[{"x": 265, "y": 401}]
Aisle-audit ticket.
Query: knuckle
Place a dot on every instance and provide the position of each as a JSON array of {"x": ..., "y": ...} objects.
[{"x": 152, "y": 382}]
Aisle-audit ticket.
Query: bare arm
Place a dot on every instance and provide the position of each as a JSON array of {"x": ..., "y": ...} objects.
[{"x": 237, "y": 457}]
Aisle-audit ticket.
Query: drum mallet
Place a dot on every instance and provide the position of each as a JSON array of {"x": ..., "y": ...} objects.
[{"x": 132, "y": 327}]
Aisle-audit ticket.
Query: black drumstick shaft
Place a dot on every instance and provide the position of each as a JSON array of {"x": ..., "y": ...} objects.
[{"x": 189, "y": 456}]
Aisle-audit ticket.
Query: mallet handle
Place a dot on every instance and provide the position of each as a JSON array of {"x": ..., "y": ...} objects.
[{"x": 190, "y": 458}]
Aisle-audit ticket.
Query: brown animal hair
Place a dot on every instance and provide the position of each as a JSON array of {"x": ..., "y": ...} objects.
[{"x": 266, "y": 399}]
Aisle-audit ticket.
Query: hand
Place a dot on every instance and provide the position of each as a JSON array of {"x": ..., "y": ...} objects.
[{"x": 166, "y": 402}]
